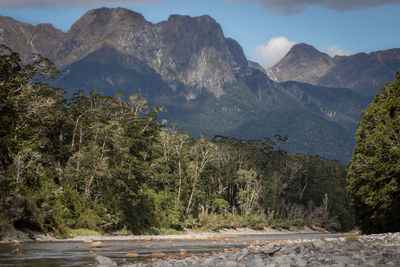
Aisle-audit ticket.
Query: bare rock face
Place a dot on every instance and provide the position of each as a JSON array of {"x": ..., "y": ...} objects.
[
  {"x": 182, "y": 50},
  {"x": 96, "y": 28},
  {"x": 256, "y": 66},
  {"x": 27, "y": 39},
  {"x": 188, "y": 50},
  {"x": 302, "y": 63}
]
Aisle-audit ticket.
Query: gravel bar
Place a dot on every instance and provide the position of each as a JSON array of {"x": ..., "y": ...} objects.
[{"x": 364, "y": 250}]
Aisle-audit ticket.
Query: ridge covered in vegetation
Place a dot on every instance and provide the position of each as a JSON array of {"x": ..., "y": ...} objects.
[{"x": 105, "y": 163}]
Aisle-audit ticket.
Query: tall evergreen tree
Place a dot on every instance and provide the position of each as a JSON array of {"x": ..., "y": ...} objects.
[{"x": 374, "y": 173}]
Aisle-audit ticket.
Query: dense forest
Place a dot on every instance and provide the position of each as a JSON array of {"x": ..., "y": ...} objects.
[
  {"x": 374, "y": 172},
  {"x": 106, "y": 163}
]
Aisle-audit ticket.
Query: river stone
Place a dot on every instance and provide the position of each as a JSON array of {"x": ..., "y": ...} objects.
[
  {"x": 157, "y": 254},
  {"x": 258, "y": 261},
  {"x": 101, "y": 261},
  {"x": 300, "y": 262},
  {"x": 161, "y": 263},
  {"x": 132, "y": 254},
  {"x": 230, "y": 264},
  {"x": 182, "y": 252},
  {"x": 208, "y": 262},
  {"x": 15, "y": 243},
  {"x": 341, "y": 258},
  {"x": 18, "y": 251},
  {"x": 298, "y": 249},
  {"x": 97, "y": 244},
  {"x": 319, "y": 244},
  {"x": 368, "y": 252}
]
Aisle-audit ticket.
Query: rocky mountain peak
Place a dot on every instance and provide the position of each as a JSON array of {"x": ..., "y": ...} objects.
[
  {"x": 305, "y": 49},
  {"x": 179, "y": 19},
  {"x": 361, "y": 72},
  {"x": 202, "y": 31},
  {"x": 196, "y": 49},
  {"x": 96, "y": 28},
  {"x": 303, "y": 53},
  {"x": 48, "y": 29},
  {"x": 96, "y": 21},
  {"x": 291, "y": 66}
]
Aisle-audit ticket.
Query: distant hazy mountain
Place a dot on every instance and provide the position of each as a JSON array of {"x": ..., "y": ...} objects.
[
  {"x": 202, "y": 78},
  {"x": 363, "y": 73}
]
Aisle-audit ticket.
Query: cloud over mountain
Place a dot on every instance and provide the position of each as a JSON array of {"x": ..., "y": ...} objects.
[
  {"x": 276, "y": 48},
  {"x": 293, "y": 7}
]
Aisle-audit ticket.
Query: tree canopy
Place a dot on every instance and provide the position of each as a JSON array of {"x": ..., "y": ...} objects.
[{"x": 374, "y": 172}]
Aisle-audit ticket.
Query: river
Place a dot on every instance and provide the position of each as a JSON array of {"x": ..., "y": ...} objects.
[{"x": 73, "y": 253}]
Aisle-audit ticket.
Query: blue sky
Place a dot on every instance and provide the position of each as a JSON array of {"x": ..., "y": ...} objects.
[{"x": 337, "y": 27}]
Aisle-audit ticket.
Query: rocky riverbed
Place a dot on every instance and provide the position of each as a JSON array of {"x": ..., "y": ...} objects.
[
  {"x": 366, "y": 250},
  {"x": 29, "y": 236}
]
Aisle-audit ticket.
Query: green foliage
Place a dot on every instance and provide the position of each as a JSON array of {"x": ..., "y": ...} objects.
[
  {"x": 351, "y": 238},
  {"x": 103, "y": 163},
  {"x": 374, "y": 170},
  {"x": 215, "y": 222},
  {"x": 248, "y": 191},
  {"x": 220, "y": 205},
  {"x": 88, "y": 219},
  {"x": 163, "y": 213}
]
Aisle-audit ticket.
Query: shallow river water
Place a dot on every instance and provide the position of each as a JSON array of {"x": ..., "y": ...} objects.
[{"x": 69, "y": 253}]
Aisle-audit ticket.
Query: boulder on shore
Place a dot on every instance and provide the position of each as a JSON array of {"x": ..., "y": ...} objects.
[{"x": 102, "y": 261}]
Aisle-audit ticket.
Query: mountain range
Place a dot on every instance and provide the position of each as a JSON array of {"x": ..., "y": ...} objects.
[
  {"x": 363, "y": 73},
  {"x": 204, "y": 80}
]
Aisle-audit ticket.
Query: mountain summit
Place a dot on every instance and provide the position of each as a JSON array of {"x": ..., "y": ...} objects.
[
  {"x": 300, "y": 57},
  {"x": 184, "y": 51}
]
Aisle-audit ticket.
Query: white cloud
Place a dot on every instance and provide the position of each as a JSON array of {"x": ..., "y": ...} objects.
[
  {"x": 335, "y": 50},
  {"x": 15, "y": 4},
  {"x": 276, "y": 48}
]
